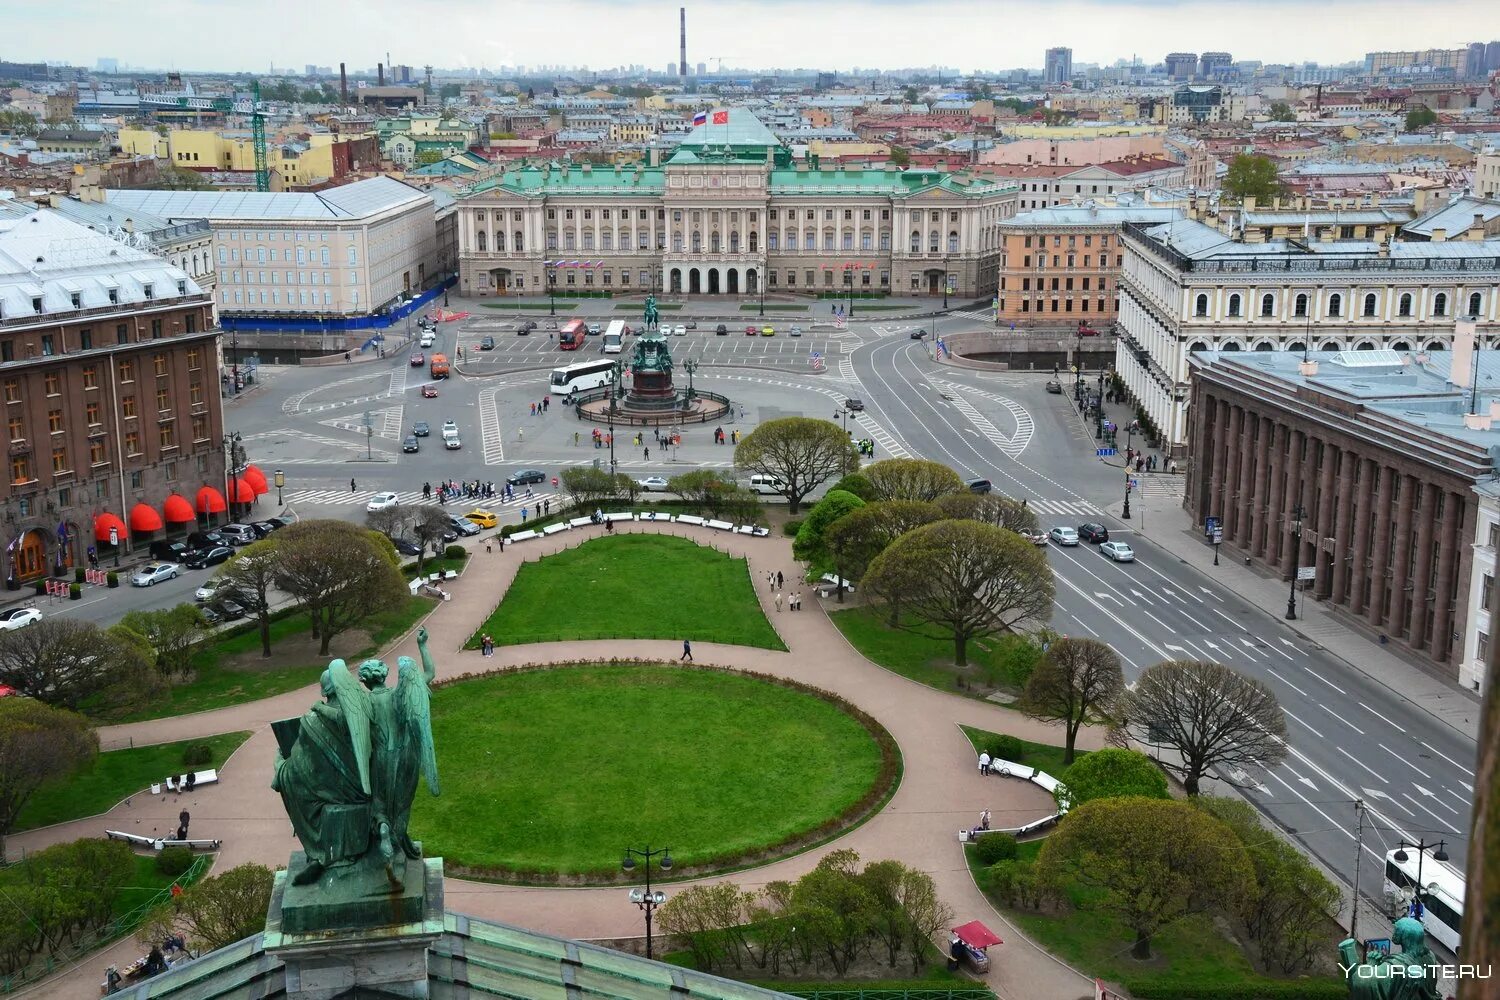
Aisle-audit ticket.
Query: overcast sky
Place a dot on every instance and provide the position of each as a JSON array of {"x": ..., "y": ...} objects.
[{"x": 829, "y": 34}]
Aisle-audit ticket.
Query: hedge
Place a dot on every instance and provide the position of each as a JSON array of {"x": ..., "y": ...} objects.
[{"x": 1291, "y": 989}]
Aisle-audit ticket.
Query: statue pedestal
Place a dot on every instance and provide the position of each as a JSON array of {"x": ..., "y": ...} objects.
[{"x": 335, "y": 936}]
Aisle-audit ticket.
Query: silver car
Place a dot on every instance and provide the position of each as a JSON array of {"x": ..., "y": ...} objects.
[
  {"x": 1118, "y": 551},
  {"x": 1061, "y": 535},
  {"x": 152, "y": 573}
]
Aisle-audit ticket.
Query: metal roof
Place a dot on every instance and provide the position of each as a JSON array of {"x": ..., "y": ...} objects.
[{"x": 359, "y": 200}]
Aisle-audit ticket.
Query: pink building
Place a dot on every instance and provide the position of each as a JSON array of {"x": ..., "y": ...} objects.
[{"x": 1074, "y": 152}]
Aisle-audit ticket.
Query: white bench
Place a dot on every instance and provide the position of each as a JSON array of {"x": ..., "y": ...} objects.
[
  {"x": 451, "y": 574},
  {"x": 192, "y": 845},
  {"x": 580, "y": 522},
  {"x": 719, "y": 525},
  {"x": 626, "y": 516},
  {"x": 135, "y": 840},
  {"x": 689, "y": 519},
  {"x": 523, "y": 536},
  {"x": 177, "y": 782},
  {"x": 553, "y": 529}
]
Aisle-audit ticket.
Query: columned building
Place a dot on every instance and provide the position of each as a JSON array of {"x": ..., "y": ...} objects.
[
  {"x": 1376, "y": 457},
  {"x": 1187, "y": 287},
  {"x": 729, "y": 213}
]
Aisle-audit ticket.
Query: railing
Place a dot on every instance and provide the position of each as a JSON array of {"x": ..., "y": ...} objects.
[{"x": 1300, "y": 262}]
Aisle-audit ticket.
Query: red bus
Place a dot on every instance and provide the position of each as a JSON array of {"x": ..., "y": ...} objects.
[{"x": 572, "y": 334}]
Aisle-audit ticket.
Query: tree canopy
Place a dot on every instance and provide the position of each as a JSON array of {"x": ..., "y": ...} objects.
[
  {"x": 911, "y": 479},
  {"x": 1419, "y": 118},
  {"x": 1112, "y": 773},
  {"x": 75, "y": 665},
  {"x": 855, "y": 539},
  {"x": 1251, "y": 176},
  {"x": 802, "y": 453},
  {"x": 218, "y": 911},
  {"x": 811, "y": 544},
  {"x": 991, "y": 508},
  {"x": 38, "y": 744},
  {"x": 1079, "y": 680},
  {"x": 339, "y": 573}
]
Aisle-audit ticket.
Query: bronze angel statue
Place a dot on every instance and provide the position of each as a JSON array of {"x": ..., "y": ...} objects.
[{"x": 347, "y": 770}]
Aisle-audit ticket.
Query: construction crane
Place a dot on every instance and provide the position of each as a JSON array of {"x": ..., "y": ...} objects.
[
  {"x": 225, "y": 105},
  {"x": 720, "y": 61}
]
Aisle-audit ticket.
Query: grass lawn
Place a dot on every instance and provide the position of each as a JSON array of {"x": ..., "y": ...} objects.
[
  {"x": 1042, "y": 756},
  {"x": 632, "y": 587},
  {"x": 640, "y": 307},
  {"x": 114, "y": 775},
  {"x": 434, "y": 565},
  {"x": 555, "y": 771},
  {"x": 926, "y": 654},
  {"x": 514, "y": 305},
  {"x": 230, "y": 670},
  {"x": 860, "y": 306}
]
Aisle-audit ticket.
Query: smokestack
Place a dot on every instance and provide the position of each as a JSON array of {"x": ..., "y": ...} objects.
[
  {"x": 343, "y": 85},
  {"x": 380, "y": 74},
  {"x": 682, "y": 58}
]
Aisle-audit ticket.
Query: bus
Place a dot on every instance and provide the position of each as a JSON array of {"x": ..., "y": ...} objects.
[
  {"x": 572, "y": 334},
  {"x": 614, "y": 337},
  {"x": 581, "y": 377},
  {"x": 1442, "y": 896}
]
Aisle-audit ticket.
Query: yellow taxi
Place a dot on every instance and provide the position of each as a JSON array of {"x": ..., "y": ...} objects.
[
  {"x": 483, "y": 518},
  {"x": 768, "y": 331}
]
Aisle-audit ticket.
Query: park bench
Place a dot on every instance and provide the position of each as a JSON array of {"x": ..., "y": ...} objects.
[
  {"x": 720, "y": 525},
  {"x": 523, "y": 536}
]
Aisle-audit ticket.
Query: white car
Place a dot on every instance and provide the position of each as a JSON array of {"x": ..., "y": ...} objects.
[
  {"x": 383, "y": 501},
  {"x": 1063, "y": 535},
  {"x": 209, "y": 590},
  {"x": 449, "y": 427},
  {"x": 153, "y": 573},
  {"x": 679, "y": 330},
  {"x": 1118, "y": 551},
  {"x": 426, "y": 340},
  {"x": 18, "y": 618},
  {"x": 654, "y": 484}
]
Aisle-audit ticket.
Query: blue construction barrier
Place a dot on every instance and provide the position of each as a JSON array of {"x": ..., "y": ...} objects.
[{"x": 334, "y": 324}]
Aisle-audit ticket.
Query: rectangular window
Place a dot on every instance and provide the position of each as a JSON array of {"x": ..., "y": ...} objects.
[
  {"x": 59, "y": 461},
  {"x": 54, "y": 421},
  {"x": 167, "y": 434},
  {"x": 163, "y": 398},
  {"x": 90, "y": 377},
  {"x": 159, "y": 361},
  {"x": 200, "y": 428},
  {"x": 17, "y": 426},
  {"x": 52, "y": 382},
  {"x": 85, "y": 340},
  {"x": 91, "y": 411},
  {"x": 96, "y": 452},
  {"x": 20, "y": 469},
  {"x": 1486, "y": 591},
  {"x": 132, "y": 442},
  {"x": 136, "y": 480}
]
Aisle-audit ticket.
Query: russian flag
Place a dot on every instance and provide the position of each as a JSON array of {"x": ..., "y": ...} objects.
[{"x": 701, "y": 118}]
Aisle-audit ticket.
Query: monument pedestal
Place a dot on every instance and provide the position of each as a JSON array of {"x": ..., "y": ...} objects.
[{"x": 337, "y": 935}]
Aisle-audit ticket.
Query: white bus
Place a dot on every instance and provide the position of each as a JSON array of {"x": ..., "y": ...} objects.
[
  {"x": 581, "y": 377},
  {"x": 614, "y": 337},
  {"x": 1442, "y": 892}
]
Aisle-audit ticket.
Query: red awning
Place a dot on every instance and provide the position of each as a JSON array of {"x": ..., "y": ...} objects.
[
  {"x": 256, "y": 479},
  {"x": 144, "y": 518},
  {"x": 976, "y": 935},
  {"x": 103, "y": 523},
  {"x": 243, "y": 491},
  {"x": 178, "y": 509},
  {"x": 210, "y": 501}
]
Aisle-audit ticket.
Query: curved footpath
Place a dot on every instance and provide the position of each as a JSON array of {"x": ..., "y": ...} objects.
[{"x": 941, "y": 790}]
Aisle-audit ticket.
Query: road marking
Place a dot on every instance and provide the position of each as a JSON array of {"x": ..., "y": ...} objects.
[
  {"x": 1382, "y": 718},
  {"x": 1445, "y": 824},
  {"x": 1375, "y": 793},
  {"x": 490, "y": 436},
  {"x": 1450, "y": 760},
  {"x": 1314, "y": 731},
  {"x": 1405, "y": 762},
  {"x": 1158, "y": 621},
  {"x": 1210, "y": 593},
  {"x": 1290, "y": 685},
  {"x": 1012, "y": 447},
  {"x": 1428, "y": 794},
  {"x": 1362, "y": 764},
  {"x": 1341, "y": 718},
  {"x": 1325, "y": 680},
  {"x": 1230, "y": 620}
]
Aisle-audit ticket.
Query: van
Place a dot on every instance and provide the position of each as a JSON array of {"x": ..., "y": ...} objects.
[
  {"x": 766, "y": 485},
  {"x": 439, "y": 366}
]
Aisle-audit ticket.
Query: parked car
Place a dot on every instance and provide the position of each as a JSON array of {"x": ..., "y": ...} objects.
[
  {"x": 679, "y": 330},
  {"x": 1093, "y": 531},
  {"x": 1063, "y": 536},
  {"x": 429, "y": 391},
  {"x": 263, "y": 528},
  {"x": 200, "y": 540},
  {"x": 752, "y": 330},
  {"x": 721, "y": 330},
  {"x": 218, "y": 587},
  {"x": 1054, "y": 387},
  {"x": 153, "y": 573},
  {"x": 854, "y": 405},
  {"x": 918, "y": 334},
  {"x": 226, "y": 610},
  {"x": 420, "y": 429},
  {"x": 979, "y": 485},
  {"x": 418, "y": 359},
  {"x": 169, "y": 551},
  {"x": 281, "y": 520},
  {"x": 654, "y": 484},
  {"x": 204, "y": 558},
  {"x": 795, "y": 331},
  {"x": 382, "y": 501},
  {"x": 526, "y": 327},
  {"x": 483, "y": 518},
  {"x": 595, "y": 329},
  {"x": 406, "y": 546},
  {"x": 1118, "y": 551},
  {"x": 239, "y": 534},
  {"x": 768, "y": 331},
  {"x": 14, "y": 618},
  {"x": 526, "y": 476},
  {"x": 1035, "y": 537},
  {"x": 692, "y": 324},
  {"x": 411, "y": 445},
  {"x": 462, "y": 525},
  {"x": 486, "y": 343}
]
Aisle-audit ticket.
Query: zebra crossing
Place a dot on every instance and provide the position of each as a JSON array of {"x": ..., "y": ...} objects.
[
  {"x": 1011, "y": 446},
  {"x": 412, "y": 498},
  {"x": 985, "y": 317},
  {"x": 1168, "y": 487},
  {"x": 886, "y": 446},
  {"x": 1071, "y": 508}
]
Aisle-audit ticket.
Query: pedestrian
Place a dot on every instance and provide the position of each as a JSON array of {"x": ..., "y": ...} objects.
[
  {"x": 182, "y": 819},
  {"x": 346, "y": 356},
  {"x": 770, "y": 582},
  {"x": 520, "y": 434},
  {"x": 112, "y": 980},
  {"x": 984, "y": 762},
  {"x": 523, "y": 515},
  {"x": 778, "y": 602},
  {"x": 609, "y": 527},
  {"x": 546, "y": 403},
  {"x": 575, "y": 439},
  {"x": 487, "y": 546},
  {"x": 984, "y": 820},
  {"x": 646, "y": 453},
  {"x": 351, "y": 486},
  {"x": 779, "y": 579},
  {"x": 687, "y": 652},
  {"x": 734, "y": 437}
]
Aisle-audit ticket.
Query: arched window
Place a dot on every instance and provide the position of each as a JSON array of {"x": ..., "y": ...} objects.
[
  {"x": 1400, "y": 345},
  {"x": 1296, "y": 345},
  {"x": 1299, "y": 308},
  {"x": 517, "y": 244},
  {"x": 1232, "y": 345},
  {"x": 1267, "y": 305},
  {"x": 1198, "y": 345},
  {"x": 1476, "y": 302},
  {"x": 713, "y": 241},
  {"x": 1266, "y": 345},
  {"x": 916, "y": 241},
  {"x": 1234, "y": 305},
  {"x": 1200, "y": 306},
  {"x": 500, "y": 241},
  {"x": 734, "y": 241},
  {"x": 1440, "y": 304},
  {"x": 1403, "y": 307},
  {"x": 952, "y": 242},
  {"x": 479, "y": 240},
  {"x": 754, "y": 241},
  {"x": 1370, "y": 300},
  {"x": 697, "y": 241},
  {"x": 1335, "y": 304},
  {"x": 933, "y": 242}
]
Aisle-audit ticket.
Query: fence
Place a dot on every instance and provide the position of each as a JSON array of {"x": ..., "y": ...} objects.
[{"x": 332, "y": 324}]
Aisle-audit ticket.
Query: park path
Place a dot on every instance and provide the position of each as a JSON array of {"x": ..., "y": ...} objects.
[{"x": 941, "y": 790}]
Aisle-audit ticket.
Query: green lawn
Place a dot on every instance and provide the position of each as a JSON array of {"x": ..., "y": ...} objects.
[
  {"x": 113, "y": 776},
  {"x": 556, "y": 771},
  {"x": 632, "y": 587},
  {"x": 926, "y": 654},
  {"x": 434, "y": 565},
  {"x": 218, "y": 681},
  {"x": 1043, "y": 756}
]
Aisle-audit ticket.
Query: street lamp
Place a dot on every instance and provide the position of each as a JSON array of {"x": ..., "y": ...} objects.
[
  {"x": 234, "y": 458},
  {"x": 552, "y": 298},
  {"x": 945, "y": 281},
  {"x": 849, "y": 280},
  {"x": 647, "y": 900},
  {"x": 1291, "y": 600},
  {"x": 1421, "y": 847},
  {"x": 1100, "y": 421},
  {"x": 761, "y": 281},
  {"x": 690, "y": 366},
  {"x": 1125, "y": 514},
  {"x": 615, "y": 371},
  {"x": 844, "y": 416},
  {"x": 280, "y": 482}
]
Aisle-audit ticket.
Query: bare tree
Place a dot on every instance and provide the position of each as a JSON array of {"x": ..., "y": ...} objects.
[
  {"x": 38, "y": 743},
  {"x": 1077, "y": 681},
  {"x": 428, "y": 526},
  {"x": 972, "y": 579},
  {"x": 218, "y": 911},
  {"x": 392, "y": 522},
  {"x": 69, "y": 663},
  {"x": 991, "y": 508},
  {"x": 911, "y": 479},
  {"x": 339, "y": 573},
  {"x": 251, "y": 576},
  {"x": 800, "y": 453},
  {"x": 1212, "y": 716},
  {"x": 587, "y": 487},
  {"x": 173, "y": 633}
]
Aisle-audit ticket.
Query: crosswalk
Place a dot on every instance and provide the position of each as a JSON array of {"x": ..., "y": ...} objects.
[
  {"x": 342, "y": 498},
  {"x": 1168, "y": 486},
  {"x": 986, "y": 317},
  {"x": 1072, "y": 508},
  {"x": 886, "y": 446}
]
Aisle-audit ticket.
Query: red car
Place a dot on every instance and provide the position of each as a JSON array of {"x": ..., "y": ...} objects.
[
  {"x": 752, "y": 330},
  {"x": 417, "y": 361},
  {"x": 429, "y": 392}
]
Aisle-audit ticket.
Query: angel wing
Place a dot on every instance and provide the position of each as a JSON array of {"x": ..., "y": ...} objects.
[
  {"x": 354, "y": 701},
  {"x": 414, "y": 709}
]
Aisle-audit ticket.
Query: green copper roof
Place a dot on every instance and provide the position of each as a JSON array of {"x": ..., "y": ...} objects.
[
  {"x": 532, "y": 180},
  {"x": 744, "y": 132},
  {"x": 896, "y": 183}
]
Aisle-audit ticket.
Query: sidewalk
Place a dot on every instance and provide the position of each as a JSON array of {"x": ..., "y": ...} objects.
[{"x": 720, "y": 309}]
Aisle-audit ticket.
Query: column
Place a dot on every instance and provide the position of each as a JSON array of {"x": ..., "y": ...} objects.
[
  {"x": 1327, "y": 526},
  {"x": 1401, "y": 558},
  {"x": 1380, "y": 546},
  {"x": 1359, "y": 567},
  {"x": 1213, "y": 504},
  {"x": 1230, "y": 502},
  {"x": 1264, "y": 431},
  {"x": 1291, "y": 492},
  {"x": 1452, "y": 535},
  {"x": 1421, "y": 612},
  {"x": 1343, "y": 532},
  {"x": 1245, "y": 483},
  {"x": 1276, "y": 487}
]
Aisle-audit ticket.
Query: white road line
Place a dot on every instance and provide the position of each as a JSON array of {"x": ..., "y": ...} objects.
[
  {"x": 491, "y": 438},
  {"x": 1290, "y": 685},
  {"x": 1382, "y": 718},
  {"x": 1231, "y": 621},
  {"x": 1288, "y": 712},
  {"x": 1404, "y": 761},
  {"x": 1341, "y": 718},
  {"x": 1325, "y": 680},
  {"x": 1158, "y": 621},
  {"x": 1466, "y": 801},
  {"x": 1450, "y": 760},
  {"x": 1168, "y": 579},
  {"x": 1346, "y": 753},
  {"x": 1445, "y": 824}
]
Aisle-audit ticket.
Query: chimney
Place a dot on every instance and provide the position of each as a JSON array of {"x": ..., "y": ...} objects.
[
  {"x": 343, "y": 86},
  {"x": 1478, "y": 224},
  {"x": 1439, "y": 235},
  {"x": 1307, "y": 369},
  {"x": 1463, "y": 353},
  {"x": 380, "y": 74},
  {"x": 682, "y": 52}
]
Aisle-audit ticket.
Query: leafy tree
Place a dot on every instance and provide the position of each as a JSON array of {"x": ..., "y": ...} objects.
[
  {"x": 1211, "y": 716},
  {"x": 991, "y": 508},
  {"x": 701, "y": 487},
  {"x": 38, "y": 744},
  {"x": 1281, "y": 111},
  {"x": 449, "y": 90},
  {"x": 854, "y": 540},
  {"x": 837, "y": 908},
  {"x": 18, "y": 123},
  {"x": 911, "y": 479},
  {"x": 1251, "y": 176},
  {"x": 972, "y": 579},
  {"x": 71, "y": 664},
  {"x": 1077, "y": 681},
  {"x": 1112, "y": 773},
  {"x": 428, "y": 526},
  {"x": 900, "y": 156},
  {"x": 251, "y": 574},
  {"x": 810, "y": 544},
  {"x": 708, "y": 919},
  {"x": 339, "y": 573},
  {"x": 429, "y": 156},
  {"x": 800, "y": 452},
  {"x": 173, "y": 633},
  {"x": 909, "y": 95},
  {"x": 1150, "y": 861},
  {"x": 216, "y": 912},
  {"x": 586, "y": 486},
  {"x": 1420, "y": 118},
  {"x": 857, "y": 484}
]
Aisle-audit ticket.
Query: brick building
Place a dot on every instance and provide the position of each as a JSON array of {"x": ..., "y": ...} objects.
[{"x": 109, "y": 380}]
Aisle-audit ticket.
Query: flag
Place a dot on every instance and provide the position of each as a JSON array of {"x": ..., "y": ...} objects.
[
  {"x": 721, "y": 117},
  {"x": 701, "y": 118}
]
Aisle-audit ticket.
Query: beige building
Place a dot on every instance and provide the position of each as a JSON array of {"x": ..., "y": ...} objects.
[{"x": 1487, "y": 174}]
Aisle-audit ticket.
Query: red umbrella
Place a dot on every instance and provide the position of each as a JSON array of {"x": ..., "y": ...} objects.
[{"x": 976, "y": 935}]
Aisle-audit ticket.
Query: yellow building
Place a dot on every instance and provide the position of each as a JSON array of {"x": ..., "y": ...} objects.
[{"x": 299, "y": 162}]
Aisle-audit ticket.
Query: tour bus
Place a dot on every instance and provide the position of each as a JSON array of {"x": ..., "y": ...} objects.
[
  {"x": 614, "y": 337},
  {"x": 581, "y": 377},
  {"x": 572, "y": 334},
  {"x": 1442, "y": 910},
  {"x": 439, "y": 366}
]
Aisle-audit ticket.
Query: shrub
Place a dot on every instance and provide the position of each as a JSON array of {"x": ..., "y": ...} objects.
[
  {"x": 1006, "y": 748},
  {"x": 173, "y": 861},
  {"x": 78, "y": 576},
  {"x": 1013, "y": 882},
  {"x": 455, "y": 552},
  {"x": 791, "y": 528},
  {"x": 994, "y": 847},
  {"x": 75, "y": 591},
  {"x": 1113, "y": 772},
  {"x": 113, "y": 578},
  {"x": 40, "y": 587},
  {"x": 197, "y": 754},
  {"x": 1295, "y": 989}
]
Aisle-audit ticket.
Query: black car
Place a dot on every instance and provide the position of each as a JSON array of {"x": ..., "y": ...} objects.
[
  {"x": 410, "y": 444},
  {"x": 1054, "y": 387},
  {"x": 918, "y": 334},
  {"x": 420, "y": 429},
  {"x": 280, "y": 521},
  {"x": 526, "y": 476},
  {"x": 854, "y": 405},
  {"x": 406, "y": 547},
  {"x": 979, "y": 485},
  {"x": 721, "y": 330},
  {"x": 226, "y": 610},
  {"x": 1093, "y": 532},
  {"x": 487, "y": 343},
  {"x": 263, "y": 528},
  {"x": 164, "y": 551},
  {"x": 526, "y": 327},
  {"x": 463, "y": 525},
  {"x": 208, "y": 557},
  {"x": 206, "y": 540}
]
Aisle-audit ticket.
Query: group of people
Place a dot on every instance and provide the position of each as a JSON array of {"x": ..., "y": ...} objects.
[
  {"x": 486, "y": 645},
  {"x": 154, "y": 964},
  {"x": 543, "y": 406},
  {"x": 1142, "y": 462},
  {"x": 720, "y": 438},
  {"x": 866, "y": 447}
]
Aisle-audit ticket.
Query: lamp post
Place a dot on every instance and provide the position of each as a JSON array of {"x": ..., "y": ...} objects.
[
  {"x": 280, "y": 482},
  {"x": 690, "y": 366},
  {"x": 849, "y": 280},
  {"x": 551, "y": 299},
  {"x": 615, "y": 371},
  {"x": 1100, "y": 420},
  {"x": 844, "y": 416},
  {"x": 114, "y": 542},
  {"x": 1421, "y": 847},
  {"x": 761, "y": 281},
  {"x": 1125, "y": 514},
  {"x": 945, "y": 281},
  {"x": 1291, "y": 599},
  {"x": 234, "y": 455},
  {"x": 645, "y": 899}
]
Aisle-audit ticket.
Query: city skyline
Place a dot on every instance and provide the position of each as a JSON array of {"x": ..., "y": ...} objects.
[{"x": 837, "y": 36}]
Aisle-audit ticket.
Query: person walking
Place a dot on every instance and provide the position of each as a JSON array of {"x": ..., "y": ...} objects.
[
  {"x": 351, "y": 486},
  {"x": 984, "y": 763},
  {"x": 487, "y": 547},
  {"x": 779, "y": 580},
  {"x": 778, "y": 602},
  {"x": 687, "y": 652},
  {"x": 646, "y": 453},
  {"x": 523, "y": 515}
]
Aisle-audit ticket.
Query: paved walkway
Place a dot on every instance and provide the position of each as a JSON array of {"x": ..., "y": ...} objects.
[{"x": 941, "y": 790}]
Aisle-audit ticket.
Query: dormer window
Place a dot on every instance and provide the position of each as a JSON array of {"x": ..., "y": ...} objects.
[
  {"x": 182, "y": 288},
  {"x": 77, "y": 300},
  {"x": 114, "y": 296},
  {"x": 150, "y": 292},
  {"x": 36, "y": 304}
]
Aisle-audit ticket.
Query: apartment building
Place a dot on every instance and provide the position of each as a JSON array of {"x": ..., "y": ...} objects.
[
  {"x": 1487, "y": 174},
  {"x": 1044, "y": 185},
  {"x": 109, "y": 381},
  {"x": 298, "y": 161}
]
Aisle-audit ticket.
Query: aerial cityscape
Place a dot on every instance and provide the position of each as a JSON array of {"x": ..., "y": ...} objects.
[{"x": 933, "y": 505}]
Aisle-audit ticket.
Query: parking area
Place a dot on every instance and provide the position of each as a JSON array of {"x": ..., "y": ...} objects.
[{"x": 535, "y": 349}]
